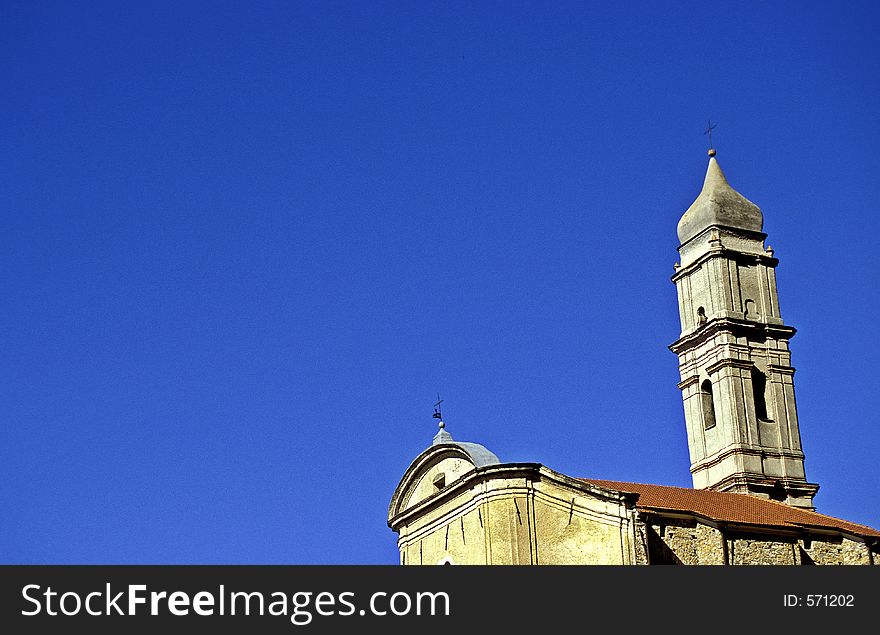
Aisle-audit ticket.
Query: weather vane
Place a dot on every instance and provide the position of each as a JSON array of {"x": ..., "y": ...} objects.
[
  {"x": 437, "y": 414},
  {"x": 708, "y": 131}
]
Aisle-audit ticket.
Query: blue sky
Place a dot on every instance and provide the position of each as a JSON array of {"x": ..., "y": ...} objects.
[{"x": 245, "y": 245}]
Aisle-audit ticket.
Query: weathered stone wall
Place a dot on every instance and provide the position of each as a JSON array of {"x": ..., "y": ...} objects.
[
  {"x": 681, "y": 542},
  {"x": 640, "y": 547},
  {"x": 831, "y": 552},
  {"x": 761, "y": 550}
]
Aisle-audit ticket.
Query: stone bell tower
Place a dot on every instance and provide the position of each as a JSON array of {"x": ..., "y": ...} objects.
[{"x": 737, "y": 381}]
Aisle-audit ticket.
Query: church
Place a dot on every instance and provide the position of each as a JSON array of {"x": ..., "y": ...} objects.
[{"x": 751, "y": 503}]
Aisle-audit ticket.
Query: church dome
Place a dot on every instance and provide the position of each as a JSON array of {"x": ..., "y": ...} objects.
[
  {"x": 719, "y": 204},
  {"x": 444, "y": 462},
  {"x": 478, "y": 454}
]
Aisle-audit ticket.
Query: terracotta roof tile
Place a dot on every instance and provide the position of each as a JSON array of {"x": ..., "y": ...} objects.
[{"x": 729, "y": 507}]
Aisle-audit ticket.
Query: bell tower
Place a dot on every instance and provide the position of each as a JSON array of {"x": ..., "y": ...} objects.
[{"x": 737, "y": 381}]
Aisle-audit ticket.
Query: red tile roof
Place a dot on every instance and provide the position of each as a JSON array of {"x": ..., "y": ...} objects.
[{"x": 729, "y": 507}]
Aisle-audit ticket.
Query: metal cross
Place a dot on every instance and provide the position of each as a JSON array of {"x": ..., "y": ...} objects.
[
  {"x": 437, "y": 414},
  {"x": 709, "y": 130}
]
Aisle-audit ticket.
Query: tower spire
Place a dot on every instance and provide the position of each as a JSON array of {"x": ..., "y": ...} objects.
[
  {"x": 736, "y": 375},
  {"x": 719, "y": 205}
]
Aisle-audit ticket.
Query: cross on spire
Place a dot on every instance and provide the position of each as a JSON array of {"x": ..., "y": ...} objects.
[
  {"x": 709, "y": 128},
  {"x": 437, "y": 414}
]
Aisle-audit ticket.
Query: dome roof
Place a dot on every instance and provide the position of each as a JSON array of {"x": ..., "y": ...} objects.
[
  {"x": 445, "y": 458},
  {"x": 719, "y": 204},
  {"x": 479, "y": 455}
]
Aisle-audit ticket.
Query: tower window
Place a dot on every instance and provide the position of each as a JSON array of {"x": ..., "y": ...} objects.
[
  {"x": 708, "y": 404},
  {"x": 701, "y": 316},
  {"x": 759, "y": 387}
]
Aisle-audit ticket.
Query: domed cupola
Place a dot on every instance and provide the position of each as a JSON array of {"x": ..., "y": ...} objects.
[{"x": 719, "y": 205}]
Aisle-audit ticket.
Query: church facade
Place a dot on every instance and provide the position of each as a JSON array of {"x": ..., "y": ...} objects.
[{"x": 751, "y": 502}]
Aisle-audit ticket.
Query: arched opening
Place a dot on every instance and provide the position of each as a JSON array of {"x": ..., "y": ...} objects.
[
  {"x": 778, "y": 492},
  {"x": 701, "y": 316},
  {"x": 708, "y": 403},
  {"x": 759, "y": 388}
]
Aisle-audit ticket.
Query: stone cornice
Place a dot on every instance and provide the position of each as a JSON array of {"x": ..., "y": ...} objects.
[
  {"x": 684, "y": 383},
  {"x": 729, "y": 254},
  {"x": 748, "y": 328},
  {"x": 742, "y": 448},
  {"x": 747, "y": 233},
  {"x": 396, "y": 515},
  {"x": 746, "y": 364},
  {"x": 529, "y": 471},
  {"x": 784, "y": 370},
  {"x": 764, "y": 482}
]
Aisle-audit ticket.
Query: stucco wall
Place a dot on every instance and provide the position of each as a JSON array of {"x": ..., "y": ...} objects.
[
  {"x": 517, "y": 521},
  {"x": 573, "y": 528}
]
